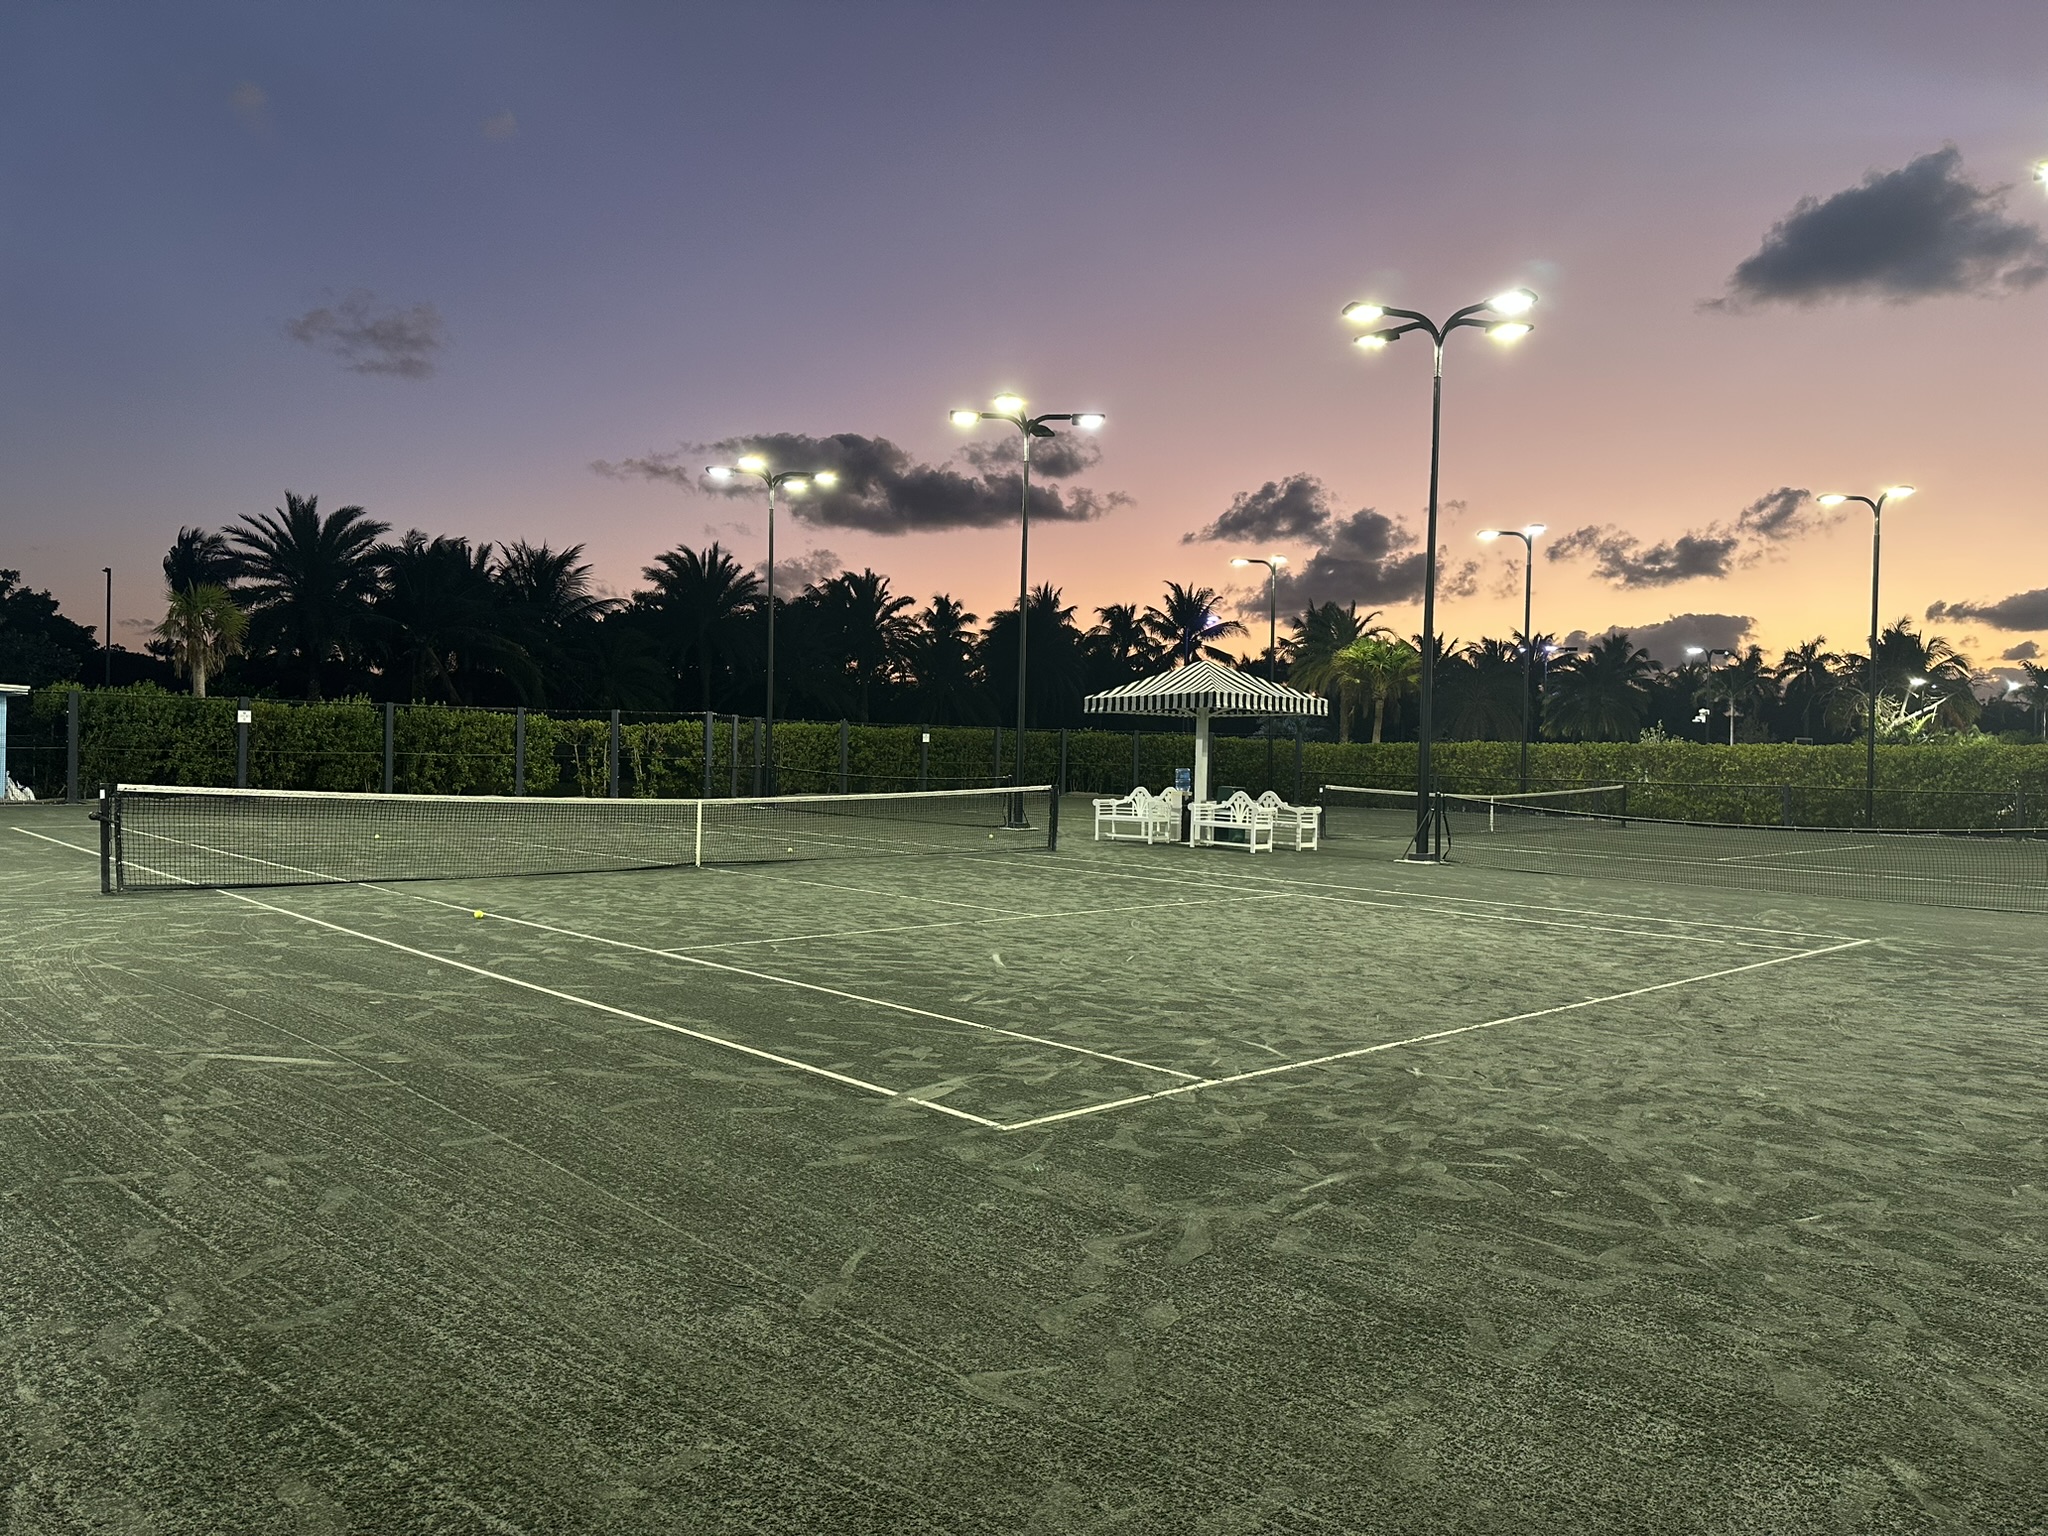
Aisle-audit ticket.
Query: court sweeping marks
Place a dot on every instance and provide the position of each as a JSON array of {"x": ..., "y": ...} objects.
[{"x": 1190, "y": 1082}]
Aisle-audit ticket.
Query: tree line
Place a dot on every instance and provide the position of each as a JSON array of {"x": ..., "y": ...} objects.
[{"x": 302, "y": 603}]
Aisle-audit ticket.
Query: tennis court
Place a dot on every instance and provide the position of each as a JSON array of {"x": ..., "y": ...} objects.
[{"x": 1108, "y": 1188}]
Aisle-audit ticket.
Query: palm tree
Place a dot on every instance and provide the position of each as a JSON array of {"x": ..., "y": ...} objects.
[
  {"x": 441, "y": 613},
  {"x": 1599, "y": 695},
  {"x": 1748, "y": 685},
  {"x": 940, "y": 657},
  {"x": 1380, "y": 668},
  {"x": 874, "y": 631},
  {"x": 1319, "y": 635},
  {"x": 199, "y": 558},
  {"x": 1119, "y": 647},
  {"x": 703, "y": 604},
  {"x": 1903, "y": 653},
  {"x": 554, "y": 612},
  {"x": 1479, "y": 690},
  {"x": 1058, "y": 673},
  {"x": 203, "y": 628},
  {"x": 1810, "y": 681},
  {"x": 2036, "y": 692},
  {"x": 309, "y": 580},
  {"x": 1187, "y": 622}
]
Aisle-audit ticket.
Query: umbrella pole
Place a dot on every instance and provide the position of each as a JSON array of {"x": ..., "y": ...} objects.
[{"x": 1201, "y": 753}]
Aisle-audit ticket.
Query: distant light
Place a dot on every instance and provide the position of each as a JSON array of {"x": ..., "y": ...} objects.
[
  {"x": 826, "y": 477},
  {"x": 753, "y": 464},
  {"x": 1375, "y": 342},
  {"x": 965, "y": 418},
  {"x": 1897, "y": 492},
  {"x": 1488, "y": 535},
  {"x": 1089, "y": 420},
  {"x": 1509, "y": 330},
  {"x": 720, "y": 471},
  {"x": 1240, "y": 561},
  {"x": 1832, "y": 499},
  {"x": 795, "y": 483},
  {"x": 1363, "y": 312},
  {"x": 1917, "y": 682},
  {"x": 1695, "y": 650},
  {"x": 1516, "y": 301},
  {"x": 1009, "y": 405},
  {"x": 1533, "y": 529},
  {"x": 2013, "y": 687}
]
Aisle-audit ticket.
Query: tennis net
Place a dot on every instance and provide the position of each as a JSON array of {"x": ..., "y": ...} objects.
[
  {"x": 157, "y": 836},
  {"x": 1590, "y": 832}
]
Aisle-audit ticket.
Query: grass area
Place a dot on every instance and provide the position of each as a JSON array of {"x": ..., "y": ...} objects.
[{"x": 1118, "y": 1190}]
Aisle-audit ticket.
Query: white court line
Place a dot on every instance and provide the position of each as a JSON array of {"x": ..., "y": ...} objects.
[
  {"x": 1441, "y": 1034},
  {"x": 1664, "y": 861},
  {"x": 1308, "y": 889},
  {"x": 570, "y": 997},
  {"x": 1792, "y": 853}
]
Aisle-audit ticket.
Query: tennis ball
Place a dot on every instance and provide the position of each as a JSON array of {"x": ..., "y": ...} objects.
[{"x": 478, "y": 913}]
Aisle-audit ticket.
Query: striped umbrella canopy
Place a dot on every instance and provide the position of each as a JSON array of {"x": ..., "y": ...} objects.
[{"x": 1205, "y": 686}]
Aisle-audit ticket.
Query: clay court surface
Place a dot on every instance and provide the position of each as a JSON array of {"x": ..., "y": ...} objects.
[{"x": 1115, "y": 1189}]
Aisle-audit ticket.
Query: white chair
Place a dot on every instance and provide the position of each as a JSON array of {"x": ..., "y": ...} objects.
[
  {"x": 1239, "y": 822},
  {"x": 1302, "y": 823},
  {"x": 1138, "y": 816}
]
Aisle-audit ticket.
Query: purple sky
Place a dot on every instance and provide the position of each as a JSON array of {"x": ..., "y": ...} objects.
[{"x": 440, "y": 260}]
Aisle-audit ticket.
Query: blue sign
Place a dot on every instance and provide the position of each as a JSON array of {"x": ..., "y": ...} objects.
[{"x": 1184, "y": 780}]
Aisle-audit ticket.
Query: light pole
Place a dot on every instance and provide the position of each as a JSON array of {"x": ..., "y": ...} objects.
[
  {"x": 797, "y": 481},
  {"x": 1710, "y": 652},
  {"x": 1010, "y": 408},
  {"x": 108, "y": 648},
  {"x": 1835, "y": 499},
  {"x": 1527, "y": 534},
  {"x": 1272, "y": 563},
  {"x": 1497, "y": 317}
]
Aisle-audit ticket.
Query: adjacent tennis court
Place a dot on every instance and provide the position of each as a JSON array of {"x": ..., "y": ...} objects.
[{"x": 812, "y": 1183}]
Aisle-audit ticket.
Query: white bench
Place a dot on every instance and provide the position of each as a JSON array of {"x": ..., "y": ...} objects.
[
  {"x": 1301, "y": 823},
  {"x": 1239, "y": 822},
  {"x": 1140, "y": 815}
]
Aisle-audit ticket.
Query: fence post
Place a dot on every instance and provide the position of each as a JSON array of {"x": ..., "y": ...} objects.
[
  {"x": 1060, "y": 784},
  {"x": 757, "y": 754},
  {"x": 71, "y": 750},
  {"x": 710, "y": 745},
  {"x": 1785, "y": 804},
  {"x": 924, "y": 759},
  {"x": 844, "y": 762},
  {"x": 242, "y": 718},
  {"x": 390, "y": 740},
  {"x": 612, "y": 759},
  {"x": 519, "y": 751}
]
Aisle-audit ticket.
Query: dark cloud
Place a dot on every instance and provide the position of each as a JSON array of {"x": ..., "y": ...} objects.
[
  {"x": 1368, "y": 559},
  {"x": 881, "y": 488},
  {"x": 1919, "y": 232},
  {"x": 795, "y": 572},
  {"x": 1666, "y": 641},
  {"x": 1053, "y": 458},
  {"x": 1297, "y": 508},
  {"x": 2026, "y": 650},
  {"x": 1774, "y": 516},
  {"x": 2023, "y": 610},
  {"x": 371, "y": 338},
  {"x": 1623, "y": 559}
]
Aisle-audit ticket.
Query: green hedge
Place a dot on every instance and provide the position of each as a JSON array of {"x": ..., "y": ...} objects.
[{"x": 146, "y": 735}]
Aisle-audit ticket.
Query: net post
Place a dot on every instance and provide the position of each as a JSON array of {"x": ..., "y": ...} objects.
[
  {"x": 710, "y": 746},
  {"x": 845, "y": 741},
  {"x": 390, "y": 745},
  {"x": 107, "y": 814},
  {"x": 1624, "y": 805},
  {"x": 611, "y": 753},
  {"x": 1052, "y": 813},
  {"x": 519, "y": 750},
  {"x": 241, "y": 743}
]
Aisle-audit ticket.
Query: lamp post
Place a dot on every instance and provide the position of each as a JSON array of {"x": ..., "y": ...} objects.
[
  {"x": 1272, "y": 563},
  {"x": 796, "y": 481},
  {"x": 1835, "y": 499},
  {"x": 1710, "y": 652},
  {"x": 1010, "y": 408},
  {"x": 1527, "y": 534},
  {"x": 1497, "y": 316},
  {"x": 108, "y": 648}
]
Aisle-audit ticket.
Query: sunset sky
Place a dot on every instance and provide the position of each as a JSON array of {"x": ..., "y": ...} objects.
[{"x": 498, "y": 270}]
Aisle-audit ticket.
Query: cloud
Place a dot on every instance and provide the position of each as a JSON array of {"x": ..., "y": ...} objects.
[
  {"x": 368, "y": 338},
  {"x": 1052, "y": 458},
  {"x": 795, "y": 572},
  {"x": 1922, "y": 231},
  {"x": 1666, "y": 641},
  {"x": 2026, "y": 650},
  {"x": 502, "y": 127},
  {"x": 1774, "y": 516},
  {"x": 1297, "y": 508},
  {"x": 251, "y": 103},
  {"x": 1368, "y": 558},
  {"x": 881, "y": 488},
  {"x": 1623, "y": 559},
  {"x": 2023, "y": 610}
]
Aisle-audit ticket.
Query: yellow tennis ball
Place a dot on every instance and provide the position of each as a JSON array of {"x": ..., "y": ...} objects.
[{"x": 478, "y": 913}]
